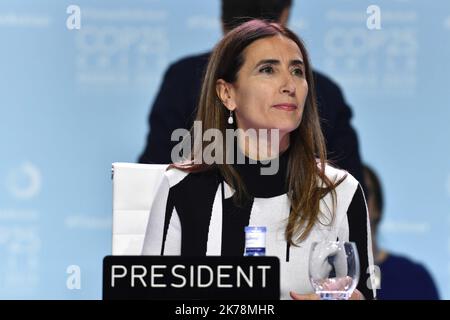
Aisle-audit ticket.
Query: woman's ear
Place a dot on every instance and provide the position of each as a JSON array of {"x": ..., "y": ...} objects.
[{"x": 225, "y": 93}]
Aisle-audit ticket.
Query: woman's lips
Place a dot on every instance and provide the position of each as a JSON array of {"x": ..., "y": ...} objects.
[{"x": 286, "y": 106}]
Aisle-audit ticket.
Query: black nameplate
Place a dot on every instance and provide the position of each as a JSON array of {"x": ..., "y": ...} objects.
[{"x": 180, "y": 277}]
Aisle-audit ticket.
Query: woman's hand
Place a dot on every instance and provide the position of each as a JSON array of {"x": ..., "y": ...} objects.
[{"x": 356, "y": 295}]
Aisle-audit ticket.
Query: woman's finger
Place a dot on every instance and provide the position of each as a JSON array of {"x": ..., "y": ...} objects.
[{"x": 309, "y": 296}]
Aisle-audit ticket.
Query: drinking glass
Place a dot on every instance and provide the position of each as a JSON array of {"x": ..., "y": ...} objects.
[{"x": 334, "y": 269}]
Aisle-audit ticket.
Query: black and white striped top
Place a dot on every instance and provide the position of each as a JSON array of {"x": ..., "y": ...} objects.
[{"x": 194, "y": 214}]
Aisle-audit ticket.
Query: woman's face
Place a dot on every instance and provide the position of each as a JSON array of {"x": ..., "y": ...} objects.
[{"x": 271, "y": 88}]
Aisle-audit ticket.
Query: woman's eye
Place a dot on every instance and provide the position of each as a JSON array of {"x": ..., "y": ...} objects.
[
  {"x": 267, "y": 69},
  {"x": 297, "y": 72}
]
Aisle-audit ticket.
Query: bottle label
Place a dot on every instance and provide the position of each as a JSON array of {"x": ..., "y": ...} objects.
[{"x": 255, "y": 252}]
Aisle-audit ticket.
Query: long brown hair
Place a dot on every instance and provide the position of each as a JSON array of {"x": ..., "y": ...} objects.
[{"x": 306, "y": 179}]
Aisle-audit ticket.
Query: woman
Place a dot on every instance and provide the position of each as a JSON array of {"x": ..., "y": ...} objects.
[{"x": 259, "y": 78}]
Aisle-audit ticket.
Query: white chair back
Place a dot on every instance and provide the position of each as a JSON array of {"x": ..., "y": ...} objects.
[{"x": 134, "y": 187}]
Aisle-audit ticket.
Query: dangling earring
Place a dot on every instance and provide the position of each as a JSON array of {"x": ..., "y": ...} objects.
[{"x": 230, "y": 118}]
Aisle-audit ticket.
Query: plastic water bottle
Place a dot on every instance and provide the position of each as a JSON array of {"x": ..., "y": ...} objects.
[{"x": 255, "y": 241}]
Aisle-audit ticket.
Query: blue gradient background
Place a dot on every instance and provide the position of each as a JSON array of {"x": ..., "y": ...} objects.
[{"x": 74, "y": 101}]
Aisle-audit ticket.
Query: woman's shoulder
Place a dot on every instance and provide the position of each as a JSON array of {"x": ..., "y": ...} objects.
[
  {"x": 346, "y": 192},
  {"x": 176, "y": 176},
  {"x": 348, "y": 183},
  {"x": 173, "y": 175}
]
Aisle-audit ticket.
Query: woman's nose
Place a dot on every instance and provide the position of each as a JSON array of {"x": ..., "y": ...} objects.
[{"x": 288, "y": 85}]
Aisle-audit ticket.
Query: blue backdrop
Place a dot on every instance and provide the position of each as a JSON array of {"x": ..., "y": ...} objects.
[{"x": 74, "y": 101}]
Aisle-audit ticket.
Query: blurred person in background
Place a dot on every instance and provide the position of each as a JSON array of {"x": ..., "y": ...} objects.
[
  {"x": 401, "y": 278},
  {"x": 176, "y": 101}
]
